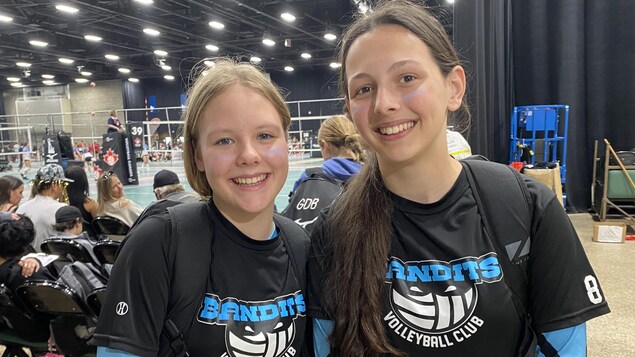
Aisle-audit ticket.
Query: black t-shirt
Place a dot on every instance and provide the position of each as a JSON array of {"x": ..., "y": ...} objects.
[
  {"x": 444, "y": 289},
  {"x": 249, "y": 302}
]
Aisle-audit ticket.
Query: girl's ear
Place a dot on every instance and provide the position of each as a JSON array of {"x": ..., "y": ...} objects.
[{"x": 455, "y": 82}]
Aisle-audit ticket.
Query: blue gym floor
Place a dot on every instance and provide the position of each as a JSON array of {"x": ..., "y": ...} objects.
[{"x": 142, "y": 194}]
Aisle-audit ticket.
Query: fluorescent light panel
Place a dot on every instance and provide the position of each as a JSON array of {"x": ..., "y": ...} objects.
[
  {"x": 81, "y": 80},
  {"x": 111, "y": 57},
  {"x": 65, "y": 60},
  {"x": 38, "y": 43},
  {"x": 5, "y": 18},
  {"x": 168, "y": 77},
  {"x": 66, "y": 8},
  {"x": 23, "y": 64},
  {"x": 212, "y": 47},
  {"x": 287, "y": 17},
  {"x": 216, "y": 25},
  {"x": 92, "y": 38},
  {"x": 160, "y": 53},
  {"x": 151, "y": 32}
]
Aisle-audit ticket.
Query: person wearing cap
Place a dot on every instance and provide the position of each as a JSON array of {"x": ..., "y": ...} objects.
[
  {"x": 168, "y": 186},
  {"x": 69, "y": 224},
  {"x": 48, "y": 195}
]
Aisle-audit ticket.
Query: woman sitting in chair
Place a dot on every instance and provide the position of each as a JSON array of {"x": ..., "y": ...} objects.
[
  {"x": 16, "y": 236},
  {"x": 111, "y": 201}
]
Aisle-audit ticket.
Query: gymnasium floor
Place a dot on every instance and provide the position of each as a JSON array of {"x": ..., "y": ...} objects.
[{"x": 609, "y": 335}]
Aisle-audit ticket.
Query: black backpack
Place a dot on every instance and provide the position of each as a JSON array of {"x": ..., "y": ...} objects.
[
  {"x": 505, "y": 205},
  {"x": 311, "y": 196},
  {"x": 191, "y": 222}
]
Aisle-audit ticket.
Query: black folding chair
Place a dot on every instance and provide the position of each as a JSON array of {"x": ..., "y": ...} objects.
[
  {"x": 25, "y": 328},
  {"x": 107, "y": 225},
  {"x": 67, "y": 249},
  {"x": 51, "y": 297},
  {"x": 106, "y": 250},
  {"x": 95, "y": 300}
]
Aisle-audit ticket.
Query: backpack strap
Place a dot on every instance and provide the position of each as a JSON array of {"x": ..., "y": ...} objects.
[
  {"x": 506, "y": 208},
  {"x": 192, "y": 235},
  {"x": 504, "y": 202},
  {"x": 296, "y": 239}
]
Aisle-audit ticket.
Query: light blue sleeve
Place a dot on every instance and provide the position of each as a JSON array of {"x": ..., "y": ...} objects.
[
  {"x": 322, "y": 329},
  {"x": 569, "y": 342},
  {"x": 109, "y": 352}
]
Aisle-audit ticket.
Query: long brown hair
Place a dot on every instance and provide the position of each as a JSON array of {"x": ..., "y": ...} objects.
[{"x": 360, "y": 224}]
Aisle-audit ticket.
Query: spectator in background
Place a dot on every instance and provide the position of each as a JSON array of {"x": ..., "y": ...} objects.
[
  {"x": 69, "y": 224},
  {"x": 111, "y": 200},
  {"x": 114, "y": 126},
  {"x": 15, "y": 239},
  {"x": 49, "y": 195},
  {"x": 341, "y": 148},
  {"x": 79, "y": 196},
  {"x": 167, "y": 186},
  {"x": 26, "y": 160},
  {"x": 11, "y": 193}
]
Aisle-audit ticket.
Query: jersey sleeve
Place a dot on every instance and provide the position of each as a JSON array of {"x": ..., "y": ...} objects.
[
  {"x": 319, "y": 253},
  {"x": 563, "y": 289},
  {"x": 132, "y": 317}
]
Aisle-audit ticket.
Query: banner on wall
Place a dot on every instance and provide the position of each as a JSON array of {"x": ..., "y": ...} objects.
[
  {"x": 51, "y": 150},
  {"x": 118, "y": 156},
  {"x": 136, "y": 136}
]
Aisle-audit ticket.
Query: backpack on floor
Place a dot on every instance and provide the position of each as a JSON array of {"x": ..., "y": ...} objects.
[
  {"x": 311, "y": 196},
  {"x": 82, "y": 278}
]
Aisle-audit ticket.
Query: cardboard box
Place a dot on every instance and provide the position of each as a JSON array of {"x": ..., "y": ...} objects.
[
  {"x": 609, "y": 232},
  {"x": 550, "y": 177}
]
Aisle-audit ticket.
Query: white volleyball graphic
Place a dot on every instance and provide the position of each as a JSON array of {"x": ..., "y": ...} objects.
[{"x": 242, "y": 341}]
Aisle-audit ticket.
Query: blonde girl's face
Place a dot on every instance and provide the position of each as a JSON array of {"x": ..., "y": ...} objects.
[
  {"x": 116, "y": 188},
  {"x": 399, "y": 101},
  {"x": 16, "y": 195},
  {"x": 242, "y": 150}
]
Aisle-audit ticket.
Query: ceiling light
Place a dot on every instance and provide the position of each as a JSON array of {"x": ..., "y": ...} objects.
[
  {"x": 329, "y": 36},
  {"x": 66, "y": 8},
  {"x": 48, "y": 76},
  {"x": 144, "y": 2},
  {"x": 133, "y": 80},
  {"x": 165, "y": 67},
  {"x": 124, "y": 70},
  {"x": 168, "y": 77},
  {"x": 5, "y": 18},
  {"x": 111, "y": 57},
  {"x": 216, "y": 25},
  {"x": 16, "y": 84},
  {"x": 13, "y": 79},
  {"x": 81, "y": 80},
  {"x": 23, "y": 64},
  {"x": 85, "y": 73},
  {"x": 305, "y": 55},
  {"x": 335, "y": 65},
  {"x": 209, "y": 63},
  {"x": 287, "y": 17},
  {"x": 65, "y": 60},
  {"x": 288, "y": 68},
  {"x": 268, "y": 42},
  {"x": 48, "y": 82},
  {"x": 450, "y": 1},
  {"x": 255, "y": 59},
  {"x": 151, "y": 32},
  {"x": 92, "y": 38},
  {"x": 38, "y": 43},
  {"x": 161, "y": 53},
  {"x": 212, "y": 47}
]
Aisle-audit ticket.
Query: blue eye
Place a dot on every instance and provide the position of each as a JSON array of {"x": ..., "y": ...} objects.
[
  {"x": 224, "y": 141},
  {"x": 265, "y": 136}
]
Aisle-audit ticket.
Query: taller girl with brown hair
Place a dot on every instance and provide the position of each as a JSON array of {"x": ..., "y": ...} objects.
[{"x": 402, "y": 264}]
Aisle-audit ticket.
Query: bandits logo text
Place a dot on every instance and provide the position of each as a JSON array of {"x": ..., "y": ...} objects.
[{"x": 433, "y": 302}]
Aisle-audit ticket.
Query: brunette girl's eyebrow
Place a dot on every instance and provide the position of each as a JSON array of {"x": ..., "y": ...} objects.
[{"x": 391, "y": 68}]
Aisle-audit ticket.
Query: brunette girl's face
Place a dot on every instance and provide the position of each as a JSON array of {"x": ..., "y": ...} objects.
[
  {"x": 399, "y": 100},
  {"x": 242, "y": 149},
  {"x": 16, "y": 195}
]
